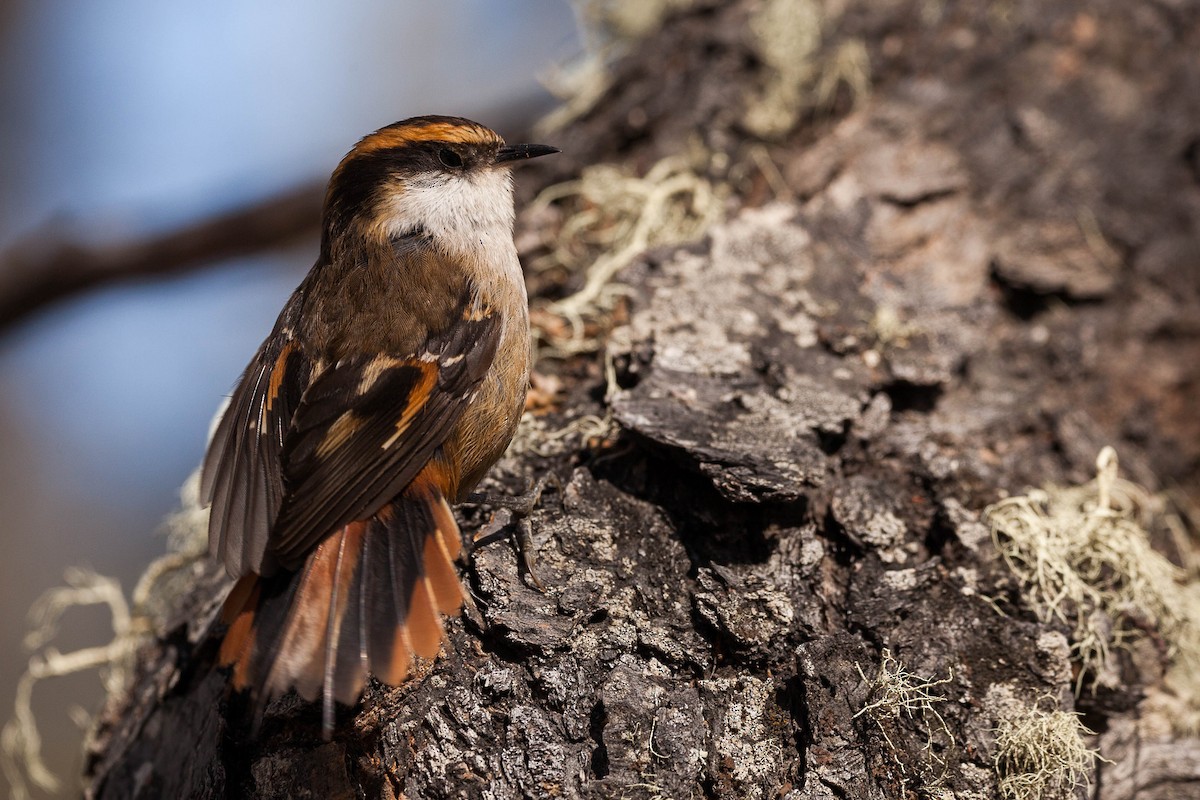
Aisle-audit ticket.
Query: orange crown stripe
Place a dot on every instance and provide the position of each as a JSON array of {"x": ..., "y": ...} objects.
[{"x": 389, "y": 138}]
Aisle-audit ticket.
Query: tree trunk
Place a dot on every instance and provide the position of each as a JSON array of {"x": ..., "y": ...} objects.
[{"x": 769, "y": 573}]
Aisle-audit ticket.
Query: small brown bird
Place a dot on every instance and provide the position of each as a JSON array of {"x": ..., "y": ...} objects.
[{"x": 394, "y": 378}]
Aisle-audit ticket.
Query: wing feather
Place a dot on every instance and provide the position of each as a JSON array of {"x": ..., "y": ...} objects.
[
  {"x": 367, "y": 426},
  {"x": 242, "y": 477}
]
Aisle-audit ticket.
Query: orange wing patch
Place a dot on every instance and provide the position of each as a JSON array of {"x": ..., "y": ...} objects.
[
  {"x": 277, "y": 373},
  {"x": 416, "y": 399}
]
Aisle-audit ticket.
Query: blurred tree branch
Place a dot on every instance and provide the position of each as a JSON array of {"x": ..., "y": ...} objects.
[{"x": 47, "y": 266}]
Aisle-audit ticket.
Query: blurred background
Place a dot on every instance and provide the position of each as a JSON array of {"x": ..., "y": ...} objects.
[{"x": 126, "y": 119}]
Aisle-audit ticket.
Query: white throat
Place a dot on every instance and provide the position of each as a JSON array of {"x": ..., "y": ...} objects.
[{"x": 470, "y": 215}]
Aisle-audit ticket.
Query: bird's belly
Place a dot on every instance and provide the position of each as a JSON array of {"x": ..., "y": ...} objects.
[{"x": 489, "y": 422}]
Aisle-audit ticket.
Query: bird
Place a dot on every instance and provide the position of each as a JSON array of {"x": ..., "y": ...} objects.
[{"x": 393, "y": 379}]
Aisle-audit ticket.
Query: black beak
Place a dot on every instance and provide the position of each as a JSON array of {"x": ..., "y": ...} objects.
[{"x": 520, "y": 152}]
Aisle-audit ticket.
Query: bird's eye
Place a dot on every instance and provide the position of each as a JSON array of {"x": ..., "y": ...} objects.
[{"x": 450, "y": 158}]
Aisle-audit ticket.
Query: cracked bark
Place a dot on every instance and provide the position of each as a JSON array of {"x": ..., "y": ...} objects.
[{"x": 978, "y": 279}]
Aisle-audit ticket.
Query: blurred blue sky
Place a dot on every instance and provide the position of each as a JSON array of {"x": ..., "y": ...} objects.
[{"x": 123, "y": 117}]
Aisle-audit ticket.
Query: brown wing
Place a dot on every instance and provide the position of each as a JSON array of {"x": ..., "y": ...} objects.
[
  {"x": 241, "y": 478},
  {"x": 366, "y": 426}
]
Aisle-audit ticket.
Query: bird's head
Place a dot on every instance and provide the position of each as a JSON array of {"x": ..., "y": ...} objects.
[{"x": 445, "y": 178}]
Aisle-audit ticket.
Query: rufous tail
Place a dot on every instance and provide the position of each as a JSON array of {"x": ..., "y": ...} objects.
[{"x": 368, "y": 598}]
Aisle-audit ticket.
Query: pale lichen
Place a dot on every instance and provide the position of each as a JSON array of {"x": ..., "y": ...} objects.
[
  {"x": 611, "y": 216},
  {"x": 607, "y": 28},
  {"x": 1084, "y": 559},
  {"x": 801, "y": 70},
  {"x": 1040, "y": 752},
  {"x": 896, "y": 692}
]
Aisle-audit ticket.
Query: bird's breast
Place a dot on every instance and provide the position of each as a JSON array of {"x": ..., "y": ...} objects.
[{"x": 490, "y": 420}]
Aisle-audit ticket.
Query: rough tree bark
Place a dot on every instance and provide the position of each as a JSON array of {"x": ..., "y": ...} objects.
[{"x": 961, "y": 285}]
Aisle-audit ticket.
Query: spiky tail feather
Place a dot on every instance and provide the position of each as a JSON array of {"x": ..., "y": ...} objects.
[{"x": 368, "y": 598}]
